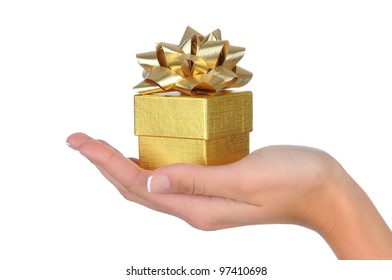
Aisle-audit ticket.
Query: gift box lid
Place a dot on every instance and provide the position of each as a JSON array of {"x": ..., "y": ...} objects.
[{"x": 200, "y": 117}]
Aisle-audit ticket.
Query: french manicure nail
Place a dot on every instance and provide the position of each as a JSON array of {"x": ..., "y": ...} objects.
[
  {"x": 158, "y": 183},
  {"x": 69, "y": 145}
]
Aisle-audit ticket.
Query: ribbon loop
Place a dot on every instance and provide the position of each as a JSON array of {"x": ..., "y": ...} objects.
[
  {"x": 192, "y": 65},
  {"x": 198, "y": 65},
  {"x": 148, "y": 60}
]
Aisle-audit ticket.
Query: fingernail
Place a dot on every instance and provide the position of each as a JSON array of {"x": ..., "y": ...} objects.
[
  {"x": 69, "y": 145},
  {"x": 158, "y": 183}
]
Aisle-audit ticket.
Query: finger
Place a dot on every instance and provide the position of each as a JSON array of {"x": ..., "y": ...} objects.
[
  {"x": 130, "y": 188},
  {"x": 134, "y": 195},
  {"x": 228, "y": 181},
  {"x": 123, "y": 170},
  {"x": 76, "y": 139},
  {"x": 107, "y": 144},
  {"x": 121, "y": 189}
]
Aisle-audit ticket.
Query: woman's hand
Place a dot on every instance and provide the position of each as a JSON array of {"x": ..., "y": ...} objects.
[{"x": 277, "y": 184}]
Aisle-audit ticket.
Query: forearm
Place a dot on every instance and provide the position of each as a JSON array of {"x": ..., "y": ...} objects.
[{"x": 353, "y": 228}]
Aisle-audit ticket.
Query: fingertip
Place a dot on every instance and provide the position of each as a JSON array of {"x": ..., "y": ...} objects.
[
  {"x": 76, "y": 139},
  {"x": 77, "y": 135},
  {"x": 68, "y": 143}
]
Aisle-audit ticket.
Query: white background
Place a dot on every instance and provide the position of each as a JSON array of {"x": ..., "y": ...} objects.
[{"x": 322, "y": 78}]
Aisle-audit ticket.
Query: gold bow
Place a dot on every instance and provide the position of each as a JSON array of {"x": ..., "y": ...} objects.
[{"x": 198, "y": 65}]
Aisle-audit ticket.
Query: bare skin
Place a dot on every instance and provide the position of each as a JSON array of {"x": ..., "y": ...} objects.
[{"x": 276, "y": 184}]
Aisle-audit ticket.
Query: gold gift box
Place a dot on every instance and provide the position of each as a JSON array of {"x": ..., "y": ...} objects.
[{"x": 205, "y": 130}]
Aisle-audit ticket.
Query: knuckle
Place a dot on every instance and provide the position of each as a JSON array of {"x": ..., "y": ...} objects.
[
  {"x": 110, "y": 157},
  {"x": 132, "y": 180},
  {"x": 189, "y": 183}
]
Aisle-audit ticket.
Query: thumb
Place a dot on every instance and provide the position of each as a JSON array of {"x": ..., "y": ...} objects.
[{"x": 223, "y": 181}]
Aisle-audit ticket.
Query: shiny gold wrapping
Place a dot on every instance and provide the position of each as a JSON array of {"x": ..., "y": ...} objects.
[
  {"x": 207, "y": 130},
  {"x": 160, "y": 151},
  {"x": 198, "y": 65},
  {"x": 205, "y": 124}
]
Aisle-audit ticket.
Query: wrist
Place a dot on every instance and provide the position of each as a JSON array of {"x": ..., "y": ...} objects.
[{"x": 346, "y": 218}]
